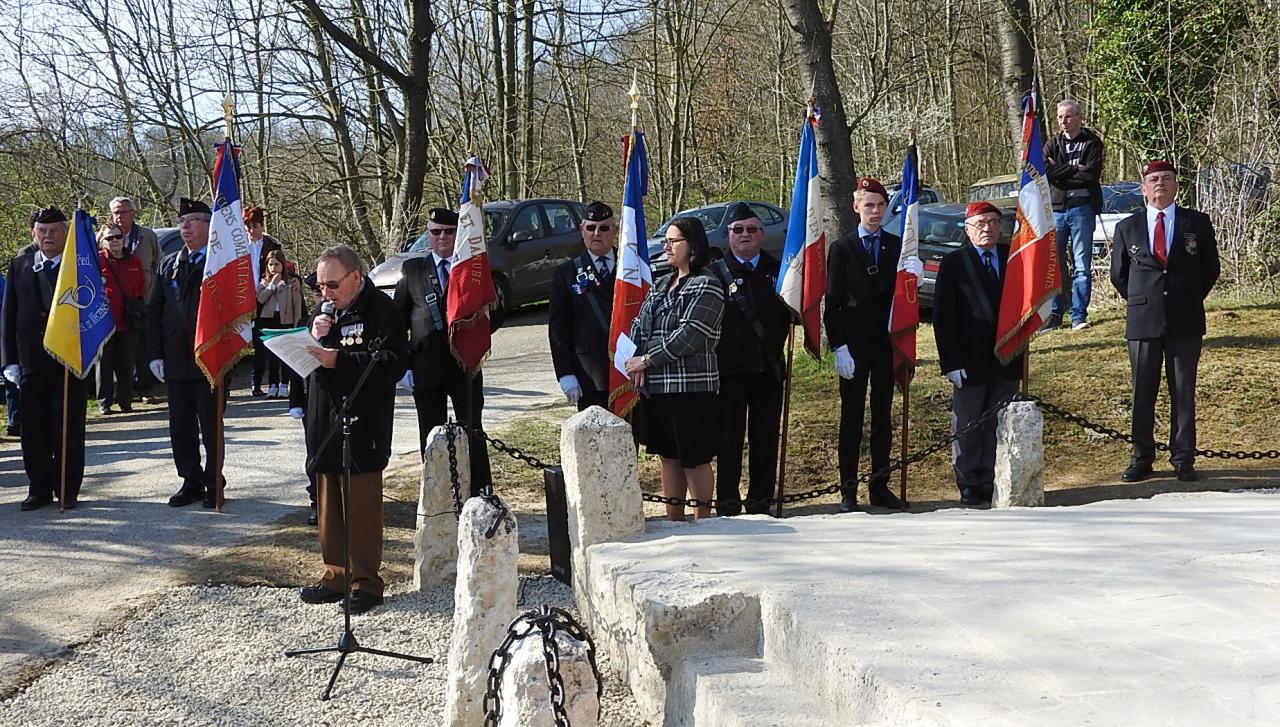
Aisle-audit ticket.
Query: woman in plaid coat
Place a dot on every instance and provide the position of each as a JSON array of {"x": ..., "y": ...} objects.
[{"x": 676, "y": 333}]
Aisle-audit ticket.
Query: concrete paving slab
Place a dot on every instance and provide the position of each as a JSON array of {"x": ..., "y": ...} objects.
[{"x": 1132, "y": 612}]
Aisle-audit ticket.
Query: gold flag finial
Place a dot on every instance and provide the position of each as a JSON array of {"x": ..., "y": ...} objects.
[
  {"x": 228, "y": 112},
  {"x": 634, "y": 93}
]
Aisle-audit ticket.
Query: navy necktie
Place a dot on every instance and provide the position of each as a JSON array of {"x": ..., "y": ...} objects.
[
  {"x": 444, "y": 274},
  {"x": 988, "y": 259},
  {"x": 197, "y": 258},
  {"x": 869, "y": 244}
]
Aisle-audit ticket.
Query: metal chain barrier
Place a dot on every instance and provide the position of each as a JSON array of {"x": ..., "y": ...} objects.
[
  {"x": 1118, "y": 435},
  {"x": 503, "y": 516},
  {"x": 549, "y": 621},
  {"x": 913, "y": 458},
  {"x": 450, "y": 430}
]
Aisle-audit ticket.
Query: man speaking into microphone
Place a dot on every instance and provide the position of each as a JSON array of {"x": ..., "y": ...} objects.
[{"x": 358, "y": 327}]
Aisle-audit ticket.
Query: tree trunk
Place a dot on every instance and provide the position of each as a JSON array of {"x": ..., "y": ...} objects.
[
  {"x": 526, "y": 161},
  {"x": 1017, "y": 61},
  {"x": 510, "y": 113},
  {"x": 835, "y": 152}
]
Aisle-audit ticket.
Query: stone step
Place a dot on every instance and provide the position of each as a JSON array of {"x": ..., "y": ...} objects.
[{"x": 744, "y": 692}]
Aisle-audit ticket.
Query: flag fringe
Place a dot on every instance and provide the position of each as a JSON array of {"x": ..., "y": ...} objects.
[
  {"x": 232, "y": 326},
  {"x": 465, "y": 324}
]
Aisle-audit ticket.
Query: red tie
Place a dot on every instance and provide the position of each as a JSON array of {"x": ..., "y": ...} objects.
[{"x": 1158, "y": 245}]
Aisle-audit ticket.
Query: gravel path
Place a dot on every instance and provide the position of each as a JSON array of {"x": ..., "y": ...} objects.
[{"x": 215, "y": 656}]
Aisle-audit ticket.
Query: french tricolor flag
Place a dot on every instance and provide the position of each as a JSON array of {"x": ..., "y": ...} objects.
[
  {"x": 634, "y": 277},
  {"x": 904, "y": 314},
  {"x": 228, "y": 292},
  {"x": 804, "y": 258},
  {"x": 470, "y": 283}
]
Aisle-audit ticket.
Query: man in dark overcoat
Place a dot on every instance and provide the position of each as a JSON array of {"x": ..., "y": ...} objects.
[{"x": 579, "y": 312}]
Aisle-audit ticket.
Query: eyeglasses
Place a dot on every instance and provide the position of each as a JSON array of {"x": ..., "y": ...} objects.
[
  {"x": 979, "y": 224},
  {"x": 600, "y": 228},
  {"x": 745, "y": 229},
  {"x": 332, "y": 284},
  {"x": 113, "y": 237},
  {"x": 670, "y": 242},
  {"x": 443, "y": 231}
]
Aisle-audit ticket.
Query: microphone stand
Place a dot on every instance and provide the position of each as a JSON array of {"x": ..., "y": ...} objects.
[{"x": 347, "y": 643}]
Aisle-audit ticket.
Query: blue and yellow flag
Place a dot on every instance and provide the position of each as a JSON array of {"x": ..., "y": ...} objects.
[{"x": 80, "y": 320}]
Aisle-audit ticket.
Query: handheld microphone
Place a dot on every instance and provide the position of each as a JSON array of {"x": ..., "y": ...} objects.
[{"x": 327, "y": 309}]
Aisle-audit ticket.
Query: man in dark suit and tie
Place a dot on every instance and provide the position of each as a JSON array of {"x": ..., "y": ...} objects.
[
  {"x": 171, "y": 327},
  {"x": 965, "y": 306},
  {"x": 1164, "y": 263},
  {"x": 752, "y": 335},
  {"x": 861, "y": 269},
  {"x": 434, "y": 374},
  {"x": 28, "y": 300},
  {"x": 580, "y": 309}
]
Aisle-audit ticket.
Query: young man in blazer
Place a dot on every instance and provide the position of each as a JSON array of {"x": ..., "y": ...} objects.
[
  {"x": 1164, "y": 263},
  {"x": 861, "y": 269},
  {"x": 581, "y": 303},
  {"x": 965, "y": 308}
]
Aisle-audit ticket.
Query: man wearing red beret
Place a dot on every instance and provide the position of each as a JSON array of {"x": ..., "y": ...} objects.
[
  {"x": 966, "y": 302},
  {"x": 1163, "y": 263},
  {"x": 861, "y": 271}
]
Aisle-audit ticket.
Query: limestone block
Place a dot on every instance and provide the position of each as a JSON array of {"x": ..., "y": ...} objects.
[
  {"x": 435, "y": 542},
  {"x": 526, "y": 695},
  {"x": 484, "y": 604},
  {"x": 602, "y": 484},
  {"x": 1019, "y": 456}
]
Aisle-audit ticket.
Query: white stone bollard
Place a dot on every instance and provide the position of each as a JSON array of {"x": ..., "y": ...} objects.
[
  {"x": 1019, "y": 456},
  {"x": 435, "y": 542},
  {"x": 526, "y": 694},
  {"x": 484, "y": 604},
  {"x": 602, "y": 485}
]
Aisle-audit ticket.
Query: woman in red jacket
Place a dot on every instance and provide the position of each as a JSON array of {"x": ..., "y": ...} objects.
[{"x": 124, "y": 281}]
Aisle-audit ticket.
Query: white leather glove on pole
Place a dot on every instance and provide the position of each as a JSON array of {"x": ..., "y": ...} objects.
[
  {"x": 406, "y": 382},
  {"x": 296, "y": 412},
  {"x": 157, "y": 369},
  {"x": 913, "y": 265},
  {"x": 13, "y": 373},
  {"x": 957, "y": 378},
  {"x": 844, "y": 363},
  {"x": 572, "y": 390}
]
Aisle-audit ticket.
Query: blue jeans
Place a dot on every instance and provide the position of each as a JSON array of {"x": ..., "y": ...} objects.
[{"x": 1076, "y": 224}]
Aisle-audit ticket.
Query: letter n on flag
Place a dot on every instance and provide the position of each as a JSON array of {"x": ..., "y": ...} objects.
[
  {"x": 904, "y": 315},
  {"x": 634, "y": 277},
  {"x": 470, "y": 283},
  {"x": 228, "y": 293},
  {"x": 803, "y": 280},
  {"x": 80, "y": 320},
  {"x": 1033, "y": 274}
]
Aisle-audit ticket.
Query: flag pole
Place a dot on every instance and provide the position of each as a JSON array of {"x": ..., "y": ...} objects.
[
  {"x": 786, "y": 420},
  {"x": 66, "y": 395},
  {"x": 909, "y": 374},
  {"x": 219, "y": 389}
]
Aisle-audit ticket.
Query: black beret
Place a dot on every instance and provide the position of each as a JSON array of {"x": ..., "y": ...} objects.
[
  {"x": 442, "y": 216},
  {"x": 741, "y": 211},
  {"x": 192, "y": 206},
  {"x": 48, "y": 215},
  {"x": 597, "y": 211}
]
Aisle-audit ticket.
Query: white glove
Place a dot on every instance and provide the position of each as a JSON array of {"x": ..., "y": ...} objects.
[
  {"x": 12, "y": 373},
  {"x": 913, "y": 265},
  {"x": 406, "y": 381},
  {"x": 572, "y": 390},
  {"x": 844, "y": 363},
  {"x": 957, "y": 378},
  {"x": 296, "y": 412},
  {"x": 157, "y": 369}
]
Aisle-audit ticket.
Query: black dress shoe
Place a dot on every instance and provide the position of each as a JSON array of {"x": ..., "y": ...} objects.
[
  {"x": 313, "y": 518},
  {"x": 728, "y": 508},
  {"x": 13, "y": 430},
  {"x": 320, "y": 594},
  {"x": 849, "y": 502},
  {"x": 182, "y": 498},
  {"x": 209, "y": 501},
  {"x": 1136, "y": 473},
  {"x": 971, "y": 497},
  {"x": 257, "y": 391},
  {"x": 361, "y": 601},
  {"x": 881, "y": 496},
  {"x": 1187, "y": 473},
  {"x": 35, "y": 503},
  {"x": 71, "y": 503}
]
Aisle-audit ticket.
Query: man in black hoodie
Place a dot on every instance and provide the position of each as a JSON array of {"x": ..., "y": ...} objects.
[{"x": 1073, "y": 163}]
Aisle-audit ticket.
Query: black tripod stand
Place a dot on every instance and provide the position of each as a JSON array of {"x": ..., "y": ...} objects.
[{"x": 347, "y": 643}]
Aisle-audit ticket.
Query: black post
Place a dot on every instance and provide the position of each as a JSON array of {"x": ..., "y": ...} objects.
[{"x": 558, "y": 525}]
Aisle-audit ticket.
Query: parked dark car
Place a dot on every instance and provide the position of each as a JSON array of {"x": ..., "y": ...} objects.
[
  {"x": 928, "y": 195},
  {"x": 942, "y": 231},
  {"x": 712, "y": 217},
  {"x": 527, "y": 239},
  {"x": 169, "y": 238},
  {"x": 1119, "y": 200}
]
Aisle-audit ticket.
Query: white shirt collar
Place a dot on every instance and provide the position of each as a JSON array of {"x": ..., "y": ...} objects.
[{"x": 41, "y": 259}]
